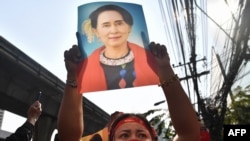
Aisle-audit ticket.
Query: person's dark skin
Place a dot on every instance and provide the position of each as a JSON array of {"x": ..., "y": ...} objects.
[{"x": 70, "y": 118}]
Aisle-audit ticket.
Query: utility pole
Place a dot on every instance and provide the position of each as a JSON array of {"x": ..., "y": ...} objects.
[
  {"x": 193, "y": 75},
  {"x": 223, "y": 72}
]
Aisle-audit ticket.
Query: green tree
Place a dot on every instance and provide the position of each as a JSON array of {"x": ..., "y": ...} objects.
[
  {"x": 237, "y": 112},
  {"x": 160, "y": 121}
]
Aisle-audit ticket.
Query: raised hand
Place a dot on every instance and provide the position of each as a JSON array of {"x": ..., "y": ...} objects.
[
  {"x": 34, "y": 112},
  {"x": 72, "y": 59},
  {"x": 160, "y": 53}
]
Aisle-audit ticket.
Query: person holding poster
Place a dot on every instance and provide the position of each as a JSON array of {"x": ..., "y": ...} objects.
[
  {"x": 117, "y": 63},
  {"x": 129, "y": 127}
]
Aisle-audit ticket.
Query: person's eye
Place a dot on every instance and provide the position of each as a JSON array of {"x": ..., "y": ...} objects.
[
  {"x": 123, "y": 135},
  {"x": 119, "y": 23},
  {"x": 142, "y": 136},
  {"x": 105, "y": 25}
]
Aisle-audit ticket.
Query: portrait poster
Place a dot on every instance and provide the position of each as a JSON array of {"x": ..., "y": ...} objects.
[{"x": 113, "y": 40}]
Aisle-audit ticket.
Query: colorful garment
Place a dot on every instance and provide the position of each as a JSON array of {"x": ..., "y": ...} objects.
[{"x": 91, "y": 75}]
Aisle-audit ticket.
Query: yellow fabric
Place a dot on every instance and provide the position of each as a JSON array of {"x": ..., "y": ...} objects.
[{"x": 103, "y": 133}]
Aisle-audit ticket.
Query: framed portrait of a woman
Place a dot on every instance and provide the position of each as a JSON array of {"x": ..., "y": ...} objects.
[{"x": 113, "y": 40}]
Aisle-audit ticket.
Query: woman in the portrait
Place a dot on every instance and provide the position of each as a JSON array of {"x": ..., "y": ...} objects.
[{"x": 119, "y": 63}]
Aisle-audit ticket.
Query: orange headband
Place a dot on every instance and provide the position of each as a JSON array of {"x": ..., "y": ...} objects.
[{"x": 130, "y": 119}]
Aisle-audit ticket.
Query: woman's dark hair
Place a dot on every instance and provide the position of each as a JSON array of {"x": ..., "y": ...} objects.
[
  {"x": 127, "y": 17},
  {"x": 140, "y": 116}
]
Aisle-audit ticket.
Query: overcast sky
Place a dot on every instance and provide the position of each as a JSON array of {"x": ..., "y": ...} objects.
[{"x": 45, "y": 29}]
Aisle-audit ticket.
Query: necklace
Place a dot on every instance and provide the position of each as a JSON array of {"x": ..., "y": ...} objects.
[
  {"x": 119, "y": 72},
  {"x": 116, "y": 62}
]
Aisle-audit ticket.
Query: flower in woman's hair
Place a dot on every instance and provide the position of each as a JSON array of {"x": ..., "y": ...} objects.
[{"x": 87, "y": 29}]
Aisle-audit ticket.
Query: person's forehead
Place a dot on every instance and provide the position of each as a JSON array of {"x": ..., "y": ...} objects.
[{"x": 132, "y": 126}]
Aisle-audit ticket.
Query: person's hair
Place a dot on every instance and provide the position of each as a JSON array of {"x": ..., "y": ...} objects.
[
  {"x": 113, "y": 116},
  {"x": 127, "y": 17},
  {"x": 151, "y": 130}
]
